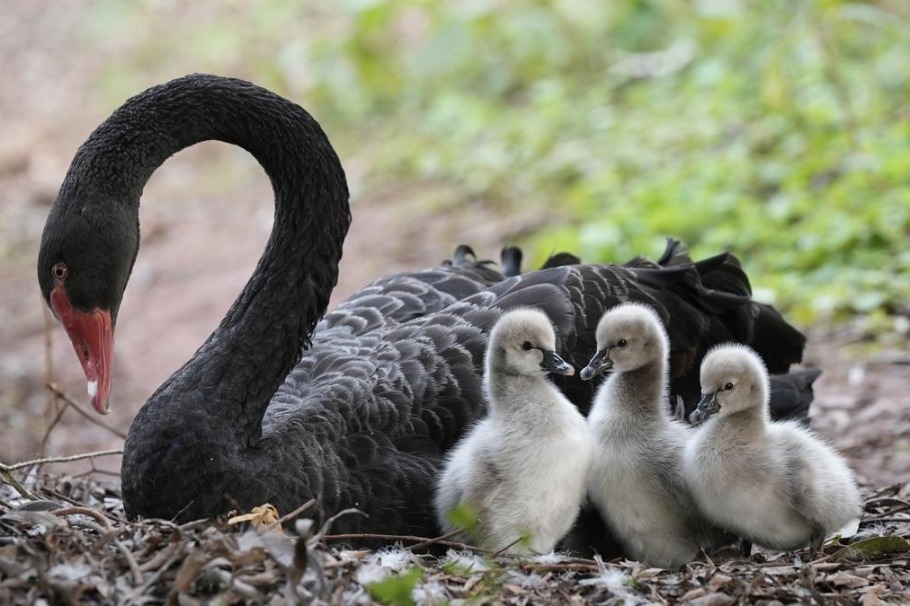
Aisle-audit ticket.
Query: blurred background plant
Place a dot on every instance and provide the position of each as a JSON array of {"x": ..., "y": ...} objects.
[{"x": 779, "y": 129}]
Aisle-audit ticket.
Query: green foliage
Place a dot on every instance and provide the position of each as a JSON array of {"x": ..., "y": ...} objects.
[
  {"x": 396, "y": 590},
  {"x": 778, "y": 129},
  {"x": 462, "y": 516}
]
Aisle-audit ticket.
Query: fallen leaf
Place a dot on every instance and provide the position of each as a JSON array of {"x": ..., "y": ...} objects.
[
  {"x": 264, "y": 517},
  {"x": 713, "y": 599},
  {"x": 845, "y": 579},
  {"x": 718, "y": 581},
  {"x": 875, "y": 547}
]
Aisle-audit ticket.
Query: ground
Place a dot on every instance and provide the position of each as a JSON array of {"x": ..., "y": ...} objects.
[{"x": 205, "y": 218}]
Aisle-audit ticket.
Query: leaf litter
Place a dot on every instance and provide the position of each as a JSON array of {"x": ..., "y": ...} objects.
[{"x": 73, "y": 545}]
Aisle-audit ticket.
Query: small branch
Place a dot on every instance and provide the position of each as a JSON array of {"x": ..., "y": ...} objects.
[
  {"x": 8, "y": 476},
  {"x": 408, "y": 538},
  {"x": 291, "y": 515},
  {"x": 437, "y": 540},
  {"x": 93, "y": 418},
  {"x": 44, "y": 461},
  {"x": 898, "y": 504},
  {"x": 138, "y": 577},
  {"x": 328, "y": 523},
  {"x": 84, "y": 511},
  {"x": 502, "y": 550},
  {"x": 590, "y": 566},
  {"x": 51, "y": 402},
  {"x": 59, "y": 495},
  {"x": 95, "y": 471},
  {"x": 141, "y": 589},
  {"x": 51, "y": 425}
]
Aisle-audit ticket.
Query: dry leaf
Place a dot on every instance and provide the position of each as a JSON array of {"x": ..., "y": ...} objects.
[
  {"x": 875, "y": 547},
  {"x": 843, "y": 578},
  {"x": 264, "y": 517}
]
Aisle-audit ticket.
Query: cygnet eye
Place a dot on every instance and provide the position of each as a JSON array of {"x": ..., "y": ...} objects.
[
  {"x": 728, "y": 386},
  {"x": 59, "y": 271},
  {"x": 622, "y": 343},
  {"x": 526, "y": 345}
]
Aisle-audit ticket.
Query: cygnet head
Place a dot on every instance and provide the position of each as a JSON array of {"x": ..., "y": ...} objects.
[
  {"x": 523, "y": 343},
  {"x": 629, "y": 336},
  {"x": 733, "y": 379}
]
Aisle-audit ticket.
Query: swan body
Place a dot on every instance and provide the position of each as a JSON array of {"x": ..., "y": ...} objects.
[
  {"x": 772, "y": 483},
  {"x": 523, "y": 469},
  {"x": 636, "y": 480},
  {"x": 357, "y": 407}
]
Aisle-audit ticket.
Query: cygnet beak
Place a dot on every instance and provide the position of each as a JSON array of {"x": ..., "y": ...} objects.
[
  {"x": 553, "y": 363},
  {"x": 707, "y": 406},
  {"x": 601, "y": 362}
]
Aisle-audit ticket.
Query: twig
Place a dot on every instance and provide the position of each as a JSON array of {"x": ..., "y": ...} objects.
[
  {"x": 390, "y": 538},
  {"x": 892, "y": 500},
  {"x": 84, "y": 511},
  {"x": 77, "y": 457},
  {"x": 96, "y": 471},
  {"x": 502, "y": 550},
  {"x": 59, "y": 495},
  {"x": 51, "y": 402},
  {"x": 137, "y": 591},
  {"x": 439, "y": 539},
  {"x": 328, "y": 523},
  {"x": 159, "y": 558},
  {"x": 51, "y": 425},
  {"x": 291, "y": 515},
  {"x": 131, "y": 562},
  {"x": 93, "y": 418},
  {"x": 878, "y": 516},
  {"x": 561, "y": 567},
  {"x": 25, "y": 492}
]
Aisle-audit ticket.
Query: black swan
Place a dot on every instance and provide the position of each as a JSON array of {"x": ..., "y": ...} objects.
[{"x": 359, "y": 410}]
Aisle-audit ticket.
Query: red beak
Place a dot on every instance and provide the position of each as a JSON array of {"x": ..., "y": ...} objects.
[{"x": 92, "y": 337}]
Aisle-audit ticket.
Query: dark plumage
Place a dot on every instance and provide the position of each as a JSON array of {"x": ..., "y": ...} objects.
[
  {"x": 510, "y": 259},
  {"x": 359, "y": 409}
]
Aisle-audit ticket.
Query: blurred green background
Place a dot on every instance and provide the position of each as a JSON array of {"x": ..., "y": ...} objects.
[{"x": 778, "y": 129}]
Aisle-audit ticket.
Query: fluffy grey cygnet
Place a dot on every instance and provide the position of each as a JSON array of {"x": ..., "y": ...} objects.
[
  {"x": 636, "y": 478},
  {"x": 772, "y": 483},
  {"x": 523, "y": 469}
]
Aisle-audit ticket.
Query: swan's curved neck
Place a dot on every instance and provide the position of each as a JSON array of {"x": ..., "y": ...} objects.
[
  {"x": 647, "y": 383},
  {"x": 240, "y": 366}
]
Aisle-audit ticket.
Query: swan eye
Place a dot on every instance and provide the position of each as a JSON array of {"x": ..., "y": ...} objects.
[
  {"x": 728, "y": 386},
  {"x": 59, "y": 271},
  {"x": 526, "y": 345},
  {"x": 622, "y": 343}
]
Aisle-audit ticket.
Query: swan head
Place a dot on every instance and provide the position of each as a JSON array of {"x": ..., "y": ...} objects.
[
  {"x": 733, "y": 379},
  {"x": 84, "y": 263},
  {"x": 629, "y": 336},
  {"x": 523, "y": 342}
]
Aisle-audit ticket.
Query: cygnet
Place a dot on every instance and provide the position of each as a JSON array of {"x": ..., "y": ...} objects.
[{"x": 523, "y": 469}]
